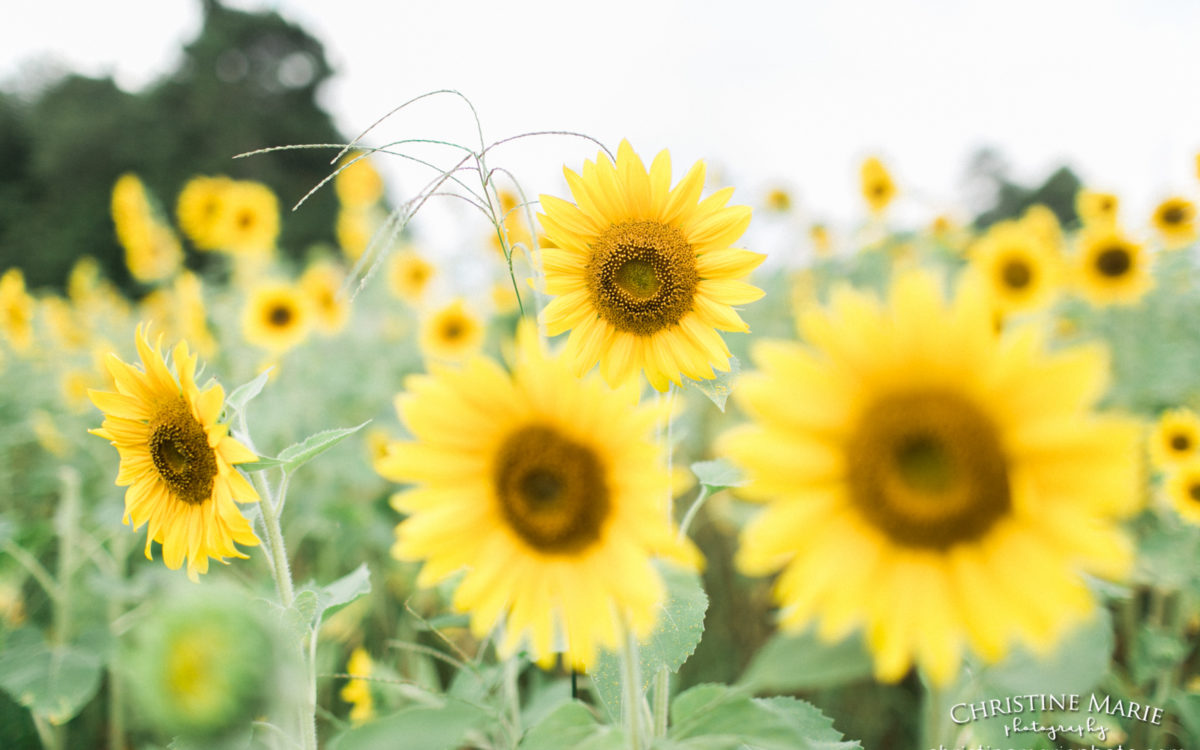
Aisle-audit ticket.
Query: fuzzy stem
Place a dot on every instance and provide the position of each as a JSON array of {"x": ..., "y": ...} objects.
[
  {"x": 279, "y": 561},
  {"x": 632, "y": 688},
  {"x": 662, "y": 701},
  {"x": 512, "y": 692}
]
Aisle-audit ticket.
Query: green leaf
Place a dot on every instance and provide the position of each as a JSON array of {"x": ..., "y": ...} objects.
[
  {"x": 1081, "y": 661},
  {"x": 718, "y": 389},
  {"x": 718, "y": 475},
  {"x": 571, "y": 725},
  {"x": 788, "y": 663},
  {"x": 423, "y": 728},
  {"x": 715, "y": 717},
  {"x": 1155, "y": 651},
  {"x": 237, "y": 400},
  {"x": 680, "y": 626},
  {"x": 316, "y": 602},
  {"x": 54, "y": 682},
  {"x": 296, "y": 455},
  {"x": 262, "y": 464}
]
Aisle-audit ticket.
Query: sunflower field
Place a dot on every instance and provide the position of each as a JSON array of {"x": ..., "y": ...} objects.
[{"x": 606, "y": 478}]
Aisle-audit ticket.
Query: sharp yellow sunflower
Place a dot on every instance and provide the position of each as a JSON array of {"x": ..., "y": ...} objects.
[
  {"x": 1110, "y": 268},
  {"x": 930, "y": 482},
  {"x": 1175, "y": 220},
  {"x": 547, "y": 490},
  {"x": 645, "y": 275},
  {"x": 177, "y": 461},
  {"x": 1175, "y": 439},
  {"x": 1019, "y": 269}
]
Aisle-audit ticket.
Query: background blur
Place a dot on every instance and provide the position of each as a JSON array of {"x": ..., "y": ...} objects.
[{"x": 772, "y": 95}]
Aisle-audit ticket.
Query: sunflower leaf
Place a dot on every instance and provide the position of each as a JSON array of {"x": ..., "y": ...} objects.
[
  {"x": 422, "y": 728},
  {"x": 718, "y": 475},
  {"x": 719, "y": 388},
  {"x": 296, "y": 455},
  {"x": 54, "y": 682},
  {"x": 680, "y": 626},
  {"x": 788, "y": 663},
  {"x": 237, "y": 400},
  {"x": 334, "y": 596},
  {"x": 723, "y": 716},
  {"x": 572, "y": 725}
]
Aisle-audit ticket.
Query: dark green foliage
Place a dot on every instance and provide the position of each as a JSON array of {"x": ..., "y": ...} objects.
[
  {"x": 247, "y": 81},
  {"x": 1009, "y": 200}
]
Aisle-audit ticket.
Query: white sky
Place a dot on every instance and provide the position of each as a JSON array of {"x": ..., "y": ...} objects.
[{"x": 768, "y": 92}]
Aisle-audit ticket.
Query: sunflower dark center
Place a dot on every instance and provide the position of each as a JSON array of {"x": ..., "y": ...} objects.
[
  {"x": 1114, "y": 262},
  {"x": 927, "y": 469},
  {"x": 551, "y": 490},
  {"x": 1180, "y": 443},
  {"x": 1173, "y": 215},
  {"x": 1016, "y": 274},
  {"x": 642, "y": 276},
  {"x": 279, "y": 315},
  {"x": 453, "y": 329},
  {"x": 245, "y": 219},
  {"x": 1194, "y": 491},
  {"x": 1106, "y": 206},
  {"x": 180, "y": 451}
]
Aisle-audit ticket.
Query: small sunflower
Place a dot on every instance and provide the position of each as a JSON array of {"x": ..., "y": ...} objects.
[
  {"x": 778, "y": 200},
  {"x": 354, "y": 230},
  {"x": 1111, "y": 268},
  {"x": 547, "y": 490},
  {"x": 919, "y": 471},
  {"x": 409, "y": 275},
  {"x": 876, "y": 183},
  {"x": 277, "y": 317},
  {"x": 1175, "y": 220},
  {"x": 822, "y": 244},
  {"x": 1183, "y": 489},
  {"x": 1096, "y": 208},
  {"x": 321, "y": 283},
  {"x": 16, "y": 311},
  {"x": 357, "y": 691},
  {"x": 358, "y": 184},
  {"x": 177, "y": 461},
  {"x": 452, "y": 333},
  {"x": 199, "y": 209},
  {"x": 645, "y": 275},
  {"x": 1175, "y": 439},
  {"x": 152, "y": 251},
  {"x": 1019, "y": 269}
]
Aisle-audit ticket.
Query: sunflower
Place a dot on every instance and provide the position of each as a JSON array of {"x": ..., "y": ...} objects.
[
  {"x": 358, "y": 184},
  {"x": 1183, "y": 489},
  {"x": 354, "y": 230},
  {"x": 1175, "y": 439},
  {"x": 1018, "y": 267},
  {"x": 547, "y": 490},
  {"x": 1041, "y": 220},
  {"x": 452, "y": 333},
  {"x": 321, "y": 283},
  {"x": 876, "y": 183},
  {"x": 277, "y": 317},
  {"x": 176, "y": 459},
  {"x": 152, "y": 251},
  {"x": 779, "y": 200},
  {"x": 1111, "y": 268},
  {"x": 199, "y": 209},
  {"x": 822, "y": 244},
  {"x": 1175, "y": 220},
  {"x": 357, "y": 690},
  {"x": 16, "y": 311},
  {"x": 1096, "y": 208},
  {"x": 645, "y": 274},
  {"x": 250, "y": 219},
  {"x": 409, "y": 275},
  {"x": 919, "y": 472}
]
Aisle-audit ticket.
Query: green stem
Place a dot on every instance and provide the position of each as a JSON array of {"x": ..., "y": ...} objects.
[
  {"x": 279, "y": 560},
  {"x": 34, "y": 568},
  {"x": 116, "y": 680},
  {"x": 632, "y": 688},
  {"x": 935, "y": 731},
  {"x": 513, "y": 695},
  {"x": 692, "y": 512},
  {"x": 662, "y": 701}
]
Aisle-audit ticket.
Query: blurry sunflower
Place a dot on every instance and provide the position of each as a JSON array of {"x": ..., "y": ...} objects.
[
  {"x": 152, "y": 251},
  {"x": 199, "y": 209},
  {"x": 354, "y": 231},
  {"x": 1175, "y": 220},
  {"x": 1175, "y": 439},
  {"x": 546, "y": 490},
  {"x": 176, "y": 459},
  {"x": 645, "y": 274},
  {"x": 876, "y": 184},
  {"x": 778, "y": 200},
  {"x": 452, "y": 333},
  {"x": 248, "y": 223},
  {"x": 822, "y": 245},
  {"x": 276, "y": 317},
  {"x": 408, "y": 275},
  {"x": 16, "y": 311},
  {"x": 1043, "y": 222},
  {"x": 1096, "y": 208},
  {"x": 1020, "y": 271},
  {"x": 358, "y": 184},
  {"x": 357, "y": 692},
  {"x": 1111, "y": 268},
  {"x": 1183, "y": 489},
  {"x": 321, "y": 283},
  {"x": 919, "y": 471}
]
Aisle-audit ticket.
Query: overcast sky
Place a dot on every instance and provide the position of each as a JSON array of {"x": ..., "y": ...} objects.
[{"x": 771, "y": 92}]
